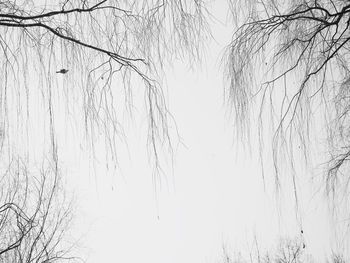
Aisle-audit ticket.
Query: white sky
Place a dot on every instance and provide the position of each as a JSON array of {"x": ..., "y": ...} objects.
[{"x": 214, "y": 197}]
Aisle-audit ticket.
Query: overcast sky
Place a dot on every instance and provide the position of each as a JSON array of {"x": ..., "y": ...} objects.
[
  {"x": 212, "y": 196},
  {"x": 209, "y": 196}
]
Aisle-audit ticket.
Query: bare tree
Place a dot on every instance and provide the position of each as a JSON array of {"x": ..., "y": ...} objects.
[
  {"x": 292, "y": 58},
  {"x": 287, "y": 251},
  {"x": 34, "y": 216},
  {"x": 78, "y": 64},
  {"x": 91, "y": 57}
]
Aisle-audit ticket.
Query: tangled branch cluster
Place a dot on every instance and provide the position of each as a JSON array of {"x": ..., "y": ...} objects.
[
  {"x": 33, "y": 216},
  {"x": 111, "y": 48},
  {"x": 295, "y": 55}
]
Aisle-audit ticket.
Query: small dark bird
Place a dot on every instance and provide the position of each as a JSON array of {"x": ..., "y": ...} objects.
[
  {"x": 302, "y": 231},
  {"x": 62, "y": 71},
  {"x": 304, "y": 246}
]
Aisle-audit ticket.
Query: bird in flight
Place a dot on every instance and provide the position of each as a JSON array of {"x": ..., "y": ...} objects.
[{"x": 62, "y": 71}]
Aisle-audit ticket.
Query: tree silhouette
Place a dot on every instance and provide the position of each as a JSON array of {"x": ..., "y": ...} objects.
[
  {"x": 34, "y": 216},
  {"x": 103, "y": 52},
  {"x": 287, "y": 251},
  {"x": 111, "y": 48},
  {"x": 293, "y": 57}
]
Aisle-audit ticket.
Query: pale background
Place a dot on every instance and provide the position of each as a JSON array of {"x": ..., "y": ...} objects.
[{"x": 212, "y": 197}]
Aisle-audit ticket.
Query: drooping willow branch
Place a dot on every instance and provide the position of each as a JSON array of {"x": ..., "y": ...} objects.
[{"x": 300, "y": 42}]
